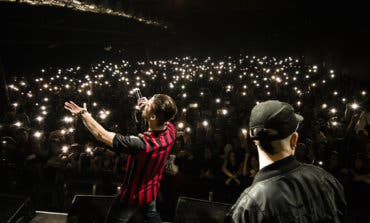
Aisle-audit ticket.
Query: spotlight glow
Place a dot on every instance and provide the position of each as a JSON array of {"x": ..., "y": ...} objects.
[
  {"x": 68, "y": 119},
  {"x": 89, "y": 150},
  {"x": 355, "y": 106},
  {"x": 205, "y": 123},
  {"x": 37, "y": 134},
  {"x": 244, "y": 131},
  {"x": 180, "y": 125},
  {"x": 65, "y": 149},
  {"x": 18, "y": 124}
]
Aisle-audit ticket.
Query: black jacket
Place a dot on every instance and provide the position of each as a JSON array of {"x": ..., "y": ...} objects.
[{"x": 289, "y": 191}]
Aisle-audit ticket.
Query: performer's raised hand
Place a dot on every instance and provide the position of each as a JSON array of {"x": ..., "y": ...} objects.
[
  {"x": 73, "y": 108},
  {"x": 142, "y": 102}
]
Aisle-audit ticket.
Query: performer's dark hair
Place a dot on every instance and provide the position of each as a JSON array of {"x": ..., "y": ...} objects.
[{"x": 164, "y": 108}]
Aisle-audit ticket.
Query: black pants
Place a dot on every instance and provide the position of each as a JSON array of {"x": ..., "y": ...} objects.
[{"x": 122, "y": 213}]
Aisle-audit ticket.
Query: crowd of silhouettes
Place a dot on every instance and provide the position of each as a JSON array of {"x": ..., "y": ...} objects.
[{"x": 50, "y": 156}]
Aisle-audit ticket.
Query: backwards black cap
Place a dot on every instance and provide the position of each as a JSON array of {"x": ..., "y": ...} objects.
[{"x": 273, "y": 120}]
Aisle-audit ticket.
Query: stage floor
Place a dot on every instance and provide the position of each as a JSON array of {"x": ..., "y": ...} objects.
[
  {"x": 49, "y": 217},
  {"x": 52, "y": 217}
]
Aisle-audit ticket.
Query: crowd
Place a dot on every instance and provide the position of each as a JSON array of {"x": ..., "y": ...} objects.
[{"x": 49, "y": 155}]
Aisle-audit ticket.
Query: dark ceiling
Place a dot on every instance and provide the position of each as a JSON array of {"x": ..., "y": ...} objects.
[{"x": 331, "y": 32}]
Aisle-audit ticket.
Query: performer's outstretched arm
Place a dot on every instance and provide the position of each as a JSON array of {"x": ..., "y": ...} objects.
[{"x": 93, "y": 126}]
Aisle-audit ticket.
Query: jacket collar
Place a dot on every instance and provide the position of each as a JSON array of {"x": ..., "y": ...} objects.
[{"x": 277, "y": 168}]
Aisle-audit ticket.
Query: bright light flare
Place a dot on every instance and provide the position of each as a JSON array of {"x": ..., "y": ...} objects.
[
  {"x": 68, "y": 119},
  {"x": 65, "y": 149},
  {"x": 180, "y": 125},
  {"x": 37, "y": 134},
  {"x": 205, "y": 123},
  {"x": 89, "y": 150},
  {"x": 244, "y": 131},
  {"x": 355, "y": 106},
  {"x": 18, "y": 124}
]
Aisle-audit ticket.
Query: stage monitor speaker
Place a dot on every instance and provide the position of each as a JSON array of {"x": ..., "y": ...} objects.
[
  {"x": 15, "y": 209},
  {"x": 190, "y": 210},
  {"x": 89, "y": 208},
  {"x": 94, "y": 209}
]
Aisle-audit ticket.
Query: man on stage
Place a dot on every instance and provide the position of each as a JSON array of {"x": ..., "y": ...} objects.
[
  {"x": 147, "y": 155},
  {"x": 285, "y": 190}
]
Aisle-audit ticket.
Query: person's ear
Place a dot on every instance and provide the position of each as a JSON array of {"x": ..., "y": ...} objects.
[
  {"x": 254, "y": 142},
  {"x": 153, "y": 117},
  {"x": 294, "y": 140}
]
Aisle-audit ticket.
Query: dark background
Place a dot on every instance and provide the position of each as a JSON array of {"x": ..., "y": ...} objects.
[{"x": 326, "y": 33}]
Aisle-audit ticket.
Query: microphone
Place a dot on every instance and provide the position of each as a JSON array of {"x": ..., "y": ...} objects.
[
  {"x": 138, "y": 93},
  {"x": 140, "y": 123}
]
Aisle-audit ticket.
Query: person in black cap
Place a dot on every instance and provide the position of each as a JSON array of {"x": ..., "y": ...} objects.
[{"x": 285, "y": 190}]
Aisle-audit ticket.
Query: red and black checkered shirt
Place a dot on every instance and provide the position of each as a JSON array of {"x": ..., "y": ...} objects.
[{"x": 148, "y": 153}]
